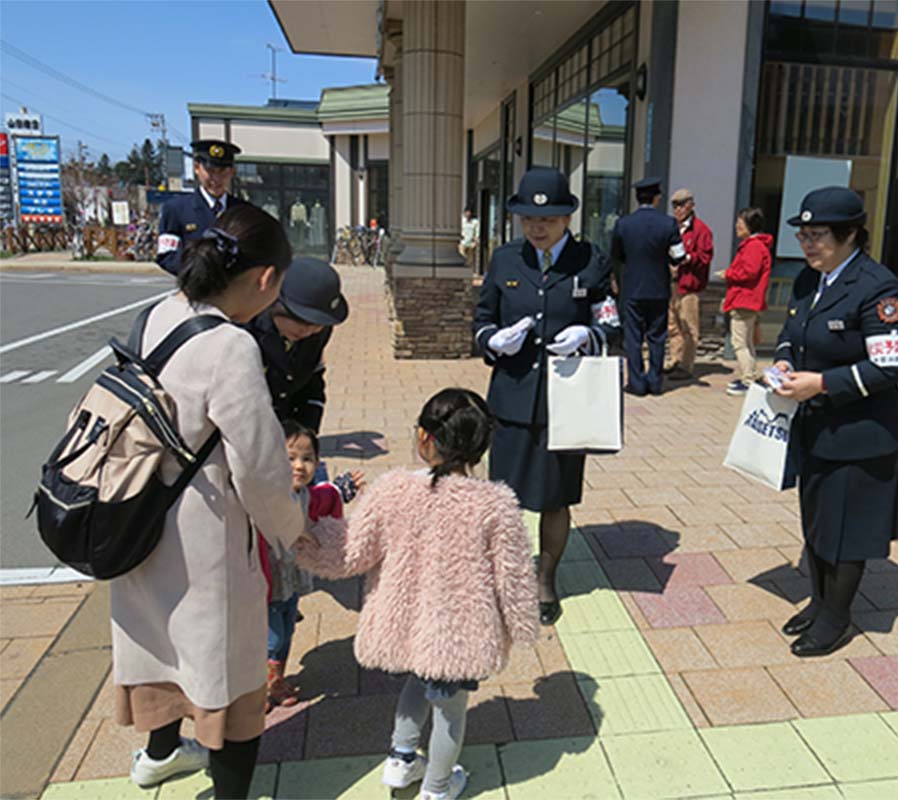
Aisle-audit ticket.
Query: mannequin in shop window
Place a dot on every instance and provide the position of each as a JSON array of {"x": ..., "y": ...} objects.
[
  {"x": 318, "y": 226},
  {"x": 299, "y": 220}
]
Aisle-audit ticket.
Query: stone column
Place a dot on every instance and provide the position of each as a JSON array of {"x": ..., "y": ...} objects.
[
  {"x": 393, "y": 76},
  {"x": 432, "y": 289}
]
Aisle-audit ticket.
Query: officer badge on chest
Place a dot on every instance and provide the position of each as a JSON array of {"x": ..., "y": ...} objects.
[
  {"x": 511, "y": 284},
  {"x": 578, "y": 290},
  {"x": 190, "y": 227}
]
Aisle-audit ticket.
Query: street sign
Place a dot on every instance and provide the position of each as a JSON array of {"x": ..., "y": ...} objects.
[
  {"x": 38, "y": 177},
  {"x": 7, "y": 211}
]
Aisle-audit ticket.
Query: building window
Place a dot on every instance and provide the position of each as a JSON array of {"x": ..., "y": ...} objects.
[
  {"x": 581, "y": 111},
  {"x": 379, "y": 193},
  {"x": 296, "y": 194}
]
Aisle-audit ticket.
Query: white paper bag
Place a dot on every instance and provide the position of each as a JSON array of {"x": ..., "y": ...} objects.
[
  {"x": 760, "y": 443},
  {"x": 586, "y": 408}
]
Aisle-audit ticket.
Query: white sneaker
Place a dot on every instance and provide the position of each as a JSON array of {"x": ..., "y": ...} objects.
[
  {"x": 189, "y": 757},
  {"x": 457, "y": 782},
  {"x": 399, "y": 773}
]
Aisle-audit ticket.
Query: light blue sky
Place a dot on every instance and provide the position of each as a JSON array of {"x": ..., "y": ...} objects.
[{"x": 154, "y": 56}]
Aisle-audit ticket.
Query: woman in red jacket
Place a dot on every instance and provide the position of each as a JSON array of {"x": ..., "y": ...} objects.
[{"x": 747, "y": 279}]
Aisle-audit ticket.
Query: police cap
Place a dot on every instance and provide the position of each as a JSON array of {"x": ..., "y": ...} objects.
[
  {"x": 831, "y": 205},
  {"x": 648, "y": 184},
  {"x": 214, "y": 152},
  {"x": 543, "y": 192},
  {"x": 311, "y": 292}
]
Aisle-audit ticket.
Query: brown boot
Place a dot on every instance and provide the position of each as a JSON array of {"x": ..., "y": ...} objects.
[{"x": 280, "y": 693}]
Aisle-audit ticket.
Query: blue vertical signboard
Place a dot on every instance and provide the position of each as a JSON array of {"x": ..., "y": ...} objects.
[
  {"x": 39, "y": 181},
  {"x": 6, "y": 207}
]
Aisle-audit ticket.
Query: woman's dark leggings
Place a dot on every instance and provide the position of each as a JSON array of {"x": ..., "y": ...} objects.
[
  {"x": 231, "y": 767},
  {"x": 833, "y": 589}
]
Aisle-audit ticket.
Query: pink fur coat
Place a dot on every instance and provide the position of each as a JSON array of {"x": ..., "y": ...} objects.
[{"x": 450, "y": 583}]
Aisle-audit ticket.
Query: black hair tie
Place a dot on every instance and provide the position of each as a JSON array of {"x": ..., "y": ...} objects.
[{"x": 225, "y": 243}]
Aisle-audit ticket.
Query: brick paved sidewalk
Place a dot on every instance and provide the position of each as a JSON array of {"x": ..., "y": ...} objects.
[{"x": 666, "y": 677}]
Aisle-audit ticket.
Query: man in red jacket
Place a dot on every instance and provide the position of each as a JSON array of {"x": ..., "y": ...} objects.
[{"x": 691, "y": 277}]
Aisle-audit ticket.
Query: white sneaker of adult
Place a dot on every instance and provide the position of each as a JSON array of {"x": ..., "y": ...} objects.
[
  {"x": 189, "y": 757},
  {"x": 399, "y": 773},
  {"x": 457, "y": 782}
]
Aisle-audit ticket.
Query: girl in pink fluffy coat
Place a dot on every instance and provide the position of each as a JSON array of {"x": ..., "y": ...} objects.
[{"x": 450, "y": 585}]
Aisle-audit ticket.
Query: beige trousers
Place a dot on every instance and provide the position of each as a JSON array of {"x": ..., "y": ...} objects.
[
  {"x": 742, "y": 335},
  {"x": 683, "y": 329}
]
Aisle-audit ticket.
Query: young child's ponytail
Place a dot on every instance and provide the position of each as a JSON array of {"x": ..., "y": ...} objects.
[{"x": 461, "y": 426}]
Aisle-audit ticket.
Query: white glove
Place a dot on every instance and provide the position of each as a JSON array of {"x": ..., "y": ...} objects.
[
  {"x": 509, "y": 341},
  {"x": 570, "y": 340}
]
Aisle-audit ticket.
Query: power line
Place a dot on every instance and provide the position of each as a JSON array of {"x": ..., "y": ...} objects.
[
  {"x": 39, "y": 65},
  {"x": 67, "y": 124}
]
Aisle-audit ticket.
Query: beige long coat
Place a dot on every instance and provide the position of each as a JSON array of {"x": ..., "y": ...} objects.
[{"x": 194, "y": 612}]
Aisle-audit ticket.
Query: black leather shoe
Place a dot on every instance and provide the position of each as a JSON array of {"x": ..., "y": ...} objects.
[
  {"x": 807, "y": 646},
  {"x": 798, "y": 624},
  {"x": 636, "y": 392},
  {"x": 549, "y": 612}
]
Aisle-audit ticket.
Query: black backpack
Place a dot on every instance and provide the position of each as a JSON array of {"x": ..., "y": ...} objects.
[{"x": 101, "y": 503}]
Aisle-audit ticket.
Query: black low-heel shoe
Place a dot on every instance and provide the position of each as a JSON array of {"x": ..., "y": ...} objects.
[
  {"x": 549, "y": 612},
  {"x": 798, "y": 624},
  {"x": 808, "y": 646}
]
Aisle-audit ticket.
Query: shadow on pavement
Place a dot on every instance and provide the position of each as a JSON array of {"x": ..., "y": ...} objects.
[
  {"x": 631, "y": 553},
  {"x": 358, "y": 444}
]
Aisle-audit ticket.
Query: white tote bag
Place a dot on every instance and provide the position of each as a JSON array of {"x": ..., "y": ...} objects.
[
  {"x": 586, "y": 408},
  {"x": 760, "y": 443}
]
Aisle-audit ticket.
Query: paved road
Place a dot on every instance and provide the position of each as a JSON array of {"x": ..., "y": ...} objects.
[{"x": 47, "y": 360}]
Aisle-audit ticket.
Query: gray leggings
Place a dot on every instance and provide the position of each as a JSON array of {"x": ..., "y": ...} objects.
[{"x": 447, "y": 736}]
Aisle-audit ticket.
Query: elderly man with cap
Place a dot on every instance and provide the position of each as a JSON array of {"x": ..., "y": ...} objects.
[
  {"x": 837, "y": 355},
  {"x": 542, "y": 296},
  {"x": 690, "y": 279},
  {"x": 292, "y": 335},
  {"x": 184, "y": 218},
  {"x": 646, "y": 242}
]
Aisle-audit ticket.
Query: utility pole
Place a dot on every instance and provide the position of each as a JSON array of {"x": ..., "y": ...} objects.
[
  {"x": 273, "y": 75},
  {"x": 157, "y": 121}
]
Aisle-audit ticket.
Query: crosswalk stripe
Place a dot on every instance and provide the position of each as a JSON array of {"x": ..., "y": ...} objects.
[
  {"x": 14, "y": 375},
  {"x": 85, "y": 366},
  {"x": 40, "y": 376}
]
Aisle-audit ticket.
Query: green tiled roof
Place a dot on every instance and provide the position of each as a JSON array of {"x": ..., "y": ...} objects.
[
  {"x": 355, "y": 102},
  {"x": 273, "y": 114}
]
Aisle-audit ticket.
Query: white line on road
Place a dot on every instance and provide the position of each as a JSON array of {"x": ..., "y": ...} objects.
[
  {"x": 14, "y": 375},
  {"x": 85, "y": 366},
  {"x": 81, "y": 323},
  {"x": 40, "y": 376}
]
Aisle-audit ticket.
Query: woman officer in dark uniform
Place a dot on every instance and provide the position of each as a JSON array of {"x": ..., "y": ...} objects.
[
  {"x": 541, "y": 296},
  {"x": 839, "y": 350}
]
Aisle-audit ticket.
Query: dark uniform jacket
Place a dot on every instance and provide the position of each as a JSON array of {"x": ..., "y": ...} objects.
[
  {"x": 295, "y": 375},
  {"x": 851, "y": 336},
  {"x": 514, "y": 287},
  {"x": 646, "y": 242},
  {"x": 186, "y": 218}
]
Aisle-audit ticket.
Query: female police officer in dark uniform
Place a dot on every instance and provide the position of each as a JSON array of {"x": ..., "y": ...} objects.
[
  {"x": 540, "y": 297},
  {"x": 839, "y": 350}
]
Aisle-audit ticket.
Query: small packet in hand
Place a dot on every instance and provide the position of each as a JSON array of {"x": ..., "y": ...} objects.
[{"x": 775, "y": 377}]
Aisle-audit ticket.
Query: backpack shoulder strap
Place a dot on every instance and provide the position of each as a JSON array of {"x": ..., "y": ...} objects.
[
  {"x": 135, "y": 339},
  {"x": 156, "y": 360}
]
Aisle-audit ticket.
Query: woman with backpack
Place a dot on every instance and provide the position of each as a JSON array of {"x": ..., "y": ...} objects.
[{"x": 187, "y": 632}]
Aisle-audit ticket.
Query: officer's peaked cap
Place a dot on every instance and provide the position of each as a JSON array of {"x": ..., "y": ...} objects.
[
  {"x": 311, "y": 292},
  {"x": 648, "y": 184},
  {"x": 543, "y": 192},
  {"x": 214, "y": 152},
  {"x": 831, "y": 205}
]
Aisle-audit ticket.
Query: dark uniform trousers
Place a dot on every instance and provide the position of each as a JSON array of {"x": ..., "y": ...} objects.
[
  {"x": 295, "y": 373},
  {"x": 515, "y": 287},
  {"x": 186, "y": 218},
  {"x": 847, "y": 437},
  {"x": 646, "y": 242}
]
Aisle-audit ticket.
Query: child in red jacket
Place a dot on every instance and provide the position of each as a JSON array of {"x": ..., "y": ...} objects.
[{"x": 747, "y": 280}]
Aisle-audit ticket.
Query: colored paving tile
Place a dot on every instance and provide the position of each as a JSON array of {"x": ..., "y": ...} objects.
[
  {"x": 551, "y": 708},
  {"x": 807, "y": 793},
  {"x": 200, "y": 785},
  {"x": 109, "y": 789},
  {"x": 742, "y": 602},
  {"x": 853, "y": 748},
  {"x": 679, "y": 649},
  {"x": 738, "y": 696},
  {"x": 591, "y": 609},
  {"x": 678, "y": 607},
  {"x": 871, "y": 790},
  {"x": 821, "y": 689},
  {"x": 573, "y": 769},
  {"x": 673, "y": 764},
  {"x": 610, "y": 654},
  {"x": 635, "y": 704},
  {"x": 745, "y": 644},
  {"x": 754, "y": 757},
  {"x": 688, "y": 569},
  {"x": 356, "y": 778}
]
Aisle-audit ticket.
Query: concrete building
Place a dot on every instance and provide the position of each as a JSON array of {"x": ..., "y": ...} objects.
[
  {"x": 746, "y": 103},
  {"x": 318, "y": 166}
]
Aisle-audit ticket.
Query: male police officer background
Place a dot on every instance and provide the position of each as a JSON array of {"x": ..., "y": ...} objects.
[
  {"x": 184, "y": 218},
  {"x": 646, "y": 242}
]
